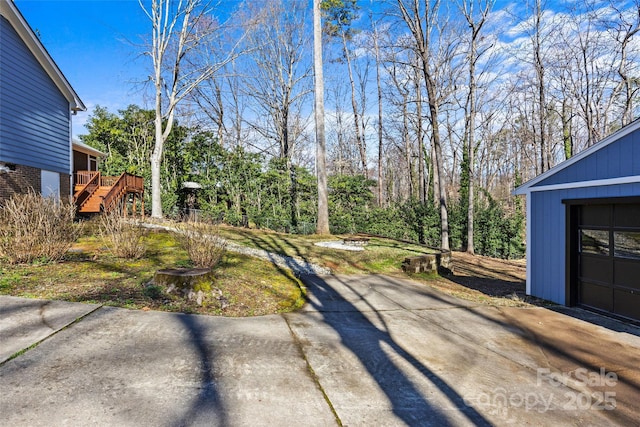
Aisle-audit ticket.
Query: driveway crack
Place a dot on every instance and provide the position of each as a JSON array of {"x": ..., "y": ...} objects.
[{"x": 312, "y": 373}]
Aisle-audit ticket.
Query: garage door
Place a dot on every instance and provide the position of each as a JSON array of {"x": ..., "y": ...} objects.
[{"x": 608, "y": 270}]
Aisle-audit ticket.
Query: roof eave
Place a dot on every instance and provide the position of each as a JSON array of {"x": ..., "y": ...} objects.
[
  {"x": 87, "y": 149},
  {"x": 525, "y": 188}
]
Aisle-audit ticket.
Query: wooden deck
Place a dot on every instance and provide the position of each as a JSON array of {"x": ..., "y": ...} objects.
[{"x": 94, "y": 193}]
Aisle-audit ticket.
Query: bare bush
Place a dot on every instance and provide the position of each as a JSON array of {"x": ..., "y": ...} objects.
[
  {"x": 36, "y": 228},
  {"x": 124, "y": 237},
  {"x": 202, "y": 242}
]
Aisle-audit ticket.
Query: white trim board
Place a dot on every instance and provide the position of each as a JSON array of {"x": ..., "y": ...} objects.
[
  {"x": 528, "y": 247},
  {"x": 635, "y": 179}
]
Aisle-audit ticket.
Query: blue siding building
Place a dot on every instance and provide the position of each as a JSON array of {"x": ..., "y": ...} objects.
[
  {"x": 583, "y": 228},
  {"x": 36, "y": 106}
]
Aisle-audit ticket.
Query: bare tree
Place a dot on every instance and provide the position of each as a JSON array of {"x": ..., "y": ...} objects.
[
  {"x": 476, "y": 21},
  {"x": 343, "y": 155},
  {"x": 422, "y": 22},
  {"x": 402, "y": 83},
  {"x": 539, "y": 66},
  {"x": 624, "y": 27},
  {"x": 376, "y": 50},
  {"x": 280, "y": 80},
  {"x": 339, "y": 15},
  {"x": 179, "y": 28}
]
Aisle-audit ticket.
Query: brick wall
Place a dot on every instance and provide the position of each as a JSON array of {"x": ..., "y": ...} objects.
[
  {"x": 23, "y": 178},
  {"x": 20, "y": 180},
  {"x": 65, "y": 187}
]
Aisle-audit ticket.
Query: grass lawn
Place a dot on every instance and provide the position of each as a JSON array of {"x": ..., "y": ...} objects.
[
  {"x": 89, "y": 273},
  {"x": 245, "y": 286},
  {"x": 381, "y": 256}
]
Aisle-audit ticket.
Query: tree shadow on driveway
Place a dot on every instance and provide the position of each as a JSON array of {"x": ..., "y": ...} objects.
[
  {"x": 208, "y": 404},
  {"x": 371, "y": 344}
]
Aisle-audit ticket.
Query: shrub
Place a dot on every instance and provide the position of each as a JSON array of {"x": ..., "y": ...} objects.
[
  {"x": 497, "y": 234},
  {"x": 202, "y": 242},
  {"x": 36, "y": 228},
  {"x": 123, "y": 237}
]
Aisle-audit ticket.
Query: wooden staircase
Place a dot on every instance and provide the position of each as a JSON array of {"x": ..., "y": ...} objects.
[
  {"x": 94, "y": 193},
  {"x": 94, "y": 203}
]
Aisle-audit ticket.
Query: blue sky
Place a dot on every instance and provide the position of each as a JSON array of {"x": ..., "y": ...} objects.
[
  {"x": 97, "y": 45},
  {"x": 92, "y": 41}
]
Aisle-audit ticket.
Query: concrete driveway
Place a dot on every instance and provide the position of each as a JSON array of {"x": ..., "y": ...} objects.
[{"x": 365, "y": 350}]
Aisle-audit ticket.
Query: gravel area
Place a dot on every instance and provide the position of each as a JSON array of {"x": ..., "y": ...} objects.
[
  {"x": 339, "y": 244},
  {"x": 297, "y": 265}
]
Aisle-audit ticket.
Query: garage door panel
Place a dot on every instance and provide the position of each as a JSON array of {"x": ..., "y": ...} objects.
[
  {"x": 595, "y": 268},
  {"x": 596, "y": 296},
  {"x": 626, "y": 304},
  {"x": 627, "y": 273},
  {"x": 595, "y": 215},
  {"x": 626, "y": 215},
  {"x": 607, "y": 263}
]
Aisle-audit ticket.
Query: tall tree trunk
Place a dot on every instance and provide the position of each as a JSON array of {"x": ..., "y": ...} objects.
[
  {"x": 407, "y": 146},
  {"x": 542, "y": 108},
  {"x": 438, "y": 170},
  {"x": 567, "y": 137},
  {"x": 156, "y": 154},
  {"x": 322, "y": 226},
  {"x": 471, "y": 109},
  {"x": 422, "y": 196},
  {"x": 470, "y": 157},
  {"x": 380, "y": 139}
]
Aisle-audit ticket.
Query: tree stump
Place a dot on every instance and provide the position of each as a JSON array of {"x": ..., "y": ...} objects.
[{"x": 191, "y": 283}]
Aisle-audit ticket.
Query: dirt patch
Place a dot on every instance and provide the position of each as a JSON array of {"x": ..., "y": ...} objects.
[{"x": 485, "y": 280}]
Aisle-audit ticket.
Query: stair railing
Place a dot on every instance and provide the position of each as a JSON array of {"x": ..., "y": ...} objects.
[
  {"x": 87, "y": 189},
  {"x": 114, "y": 193},
  {"x": 124, "y": 184}
]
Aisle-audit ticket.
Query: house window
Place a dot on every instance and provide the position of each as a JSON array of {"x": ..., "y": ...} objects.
[
  {"x": 93, "y": 163},
  {"x": 50, "y": 184}
]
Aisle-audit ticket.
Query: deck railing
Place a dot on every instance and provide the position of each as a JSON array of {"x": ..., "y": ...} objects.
[
  {"x": 88, "y": 182},
  {"x": 83, "y": 177},
  {"x": 132, "y": 181}
]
